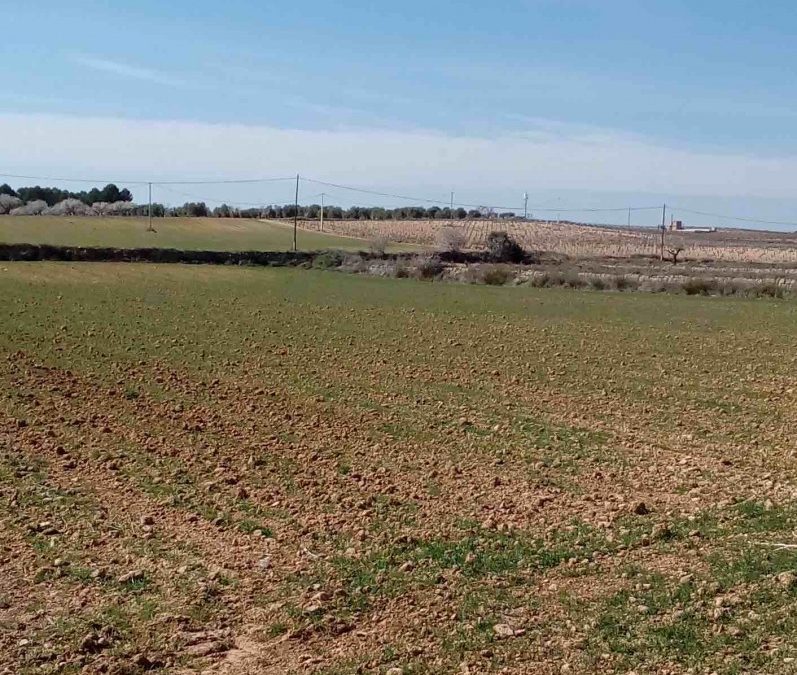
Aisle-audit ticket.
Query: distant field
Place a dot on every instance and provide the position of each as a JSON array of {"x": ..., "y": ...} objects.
[
  {"x": 236, "y": 471},
  {"x": 219, "y": 234},
  {"x": 585, "y": 241}
]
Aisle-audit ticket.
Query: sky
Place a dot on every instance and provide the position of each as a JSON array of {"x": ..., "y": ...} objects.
[{"x": 581, "y": 104}]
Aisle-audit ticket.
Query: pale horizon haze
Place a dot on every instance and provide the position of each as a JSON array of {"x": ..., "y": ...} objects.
[{"x": 583, "y": 105}]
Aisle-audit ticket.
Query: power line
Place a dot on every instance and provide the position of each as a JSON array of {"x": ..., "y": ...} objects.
[
  {"x": 208, "y": 199},
  {"x": 75, "y": 180},
  {"x": 232, "y": 181},
  {"x": 351, "y": 188},
  {"x": 223, "y": 181},
  {"x": 492, "y": 206},
  {"x": 739, "y": 218}
]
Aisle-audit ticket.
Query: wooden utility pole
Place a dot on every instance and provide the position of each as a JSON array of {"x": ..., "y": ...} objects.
[
  {"x": 663, "y": 229},
  {"x": 296, "y": 212},
  {"x": 322, "y": 212},
  {"x": 149, "y": 210}
]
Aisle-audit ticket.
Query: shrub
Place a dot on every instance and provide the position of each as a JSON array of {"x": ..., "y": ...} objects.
[
  {"x": 553, "y": 279},
  {"x": 623, "y": 283},
  {"x": 768, "y": 289},
  {"x": 698, "y": 286},
  {"x": 573, "y": 280},
  {"x": 328, "y": 259},
  {"x": 430, "y": 267},
  {"x": 598, "y": 284},
  {"x": 494, "y": 275},
  {"x": 378, "y": 245},
  {"x": 547, "y": 280},
  {"x": 451, "y": 239},
  {"x": 502, "y": 248}
]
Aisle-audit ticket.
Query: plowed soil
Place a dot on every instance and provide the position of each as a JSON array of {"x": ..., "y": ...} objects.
[{"x": 287, "y": 471}]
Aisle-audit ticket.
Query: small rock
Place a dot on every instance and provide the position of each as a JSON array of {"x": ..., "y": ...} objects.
[
  {"x": 264, "y": 563},
  {"x": 503, "y": 630},
  {"x": 395, "y": 671},
  {"x": 407, "y": 567},
  {"x": 787, "y": 579},
  {"x": 132, "y": 575},
  {"x": 206, "y": 648}
]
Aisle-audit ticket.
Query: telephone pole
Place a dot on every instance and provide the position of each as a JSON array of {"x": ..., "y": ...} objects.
[
  {"x": 322, "y": 211},
  {"x": 629, "y": 218},
  {"x": 452, "y": 200},
  {"x": 525, "y": 205},
  {"x": 149, "y": 209},
  {"x": 663, "y": 229},
  {"x": 296, "y": 212}
]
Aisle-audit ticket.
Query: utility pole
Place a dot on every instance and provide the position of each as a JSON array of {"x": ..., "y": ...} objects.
[
  {"x": 452, "y": 200},
  {"x": 322, "y": 211},
  {"x": 663, "y": 229},
  {"x": 296, "y": 212},
  {"x": 525, "y": 205},
  {"x": 629, "y": 218},
  {"x": 149, "y": 210}
]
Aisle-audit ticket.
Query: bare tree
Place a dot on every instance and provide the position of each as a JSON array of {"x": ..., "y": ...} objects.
[{"x": 674, "y": 253}]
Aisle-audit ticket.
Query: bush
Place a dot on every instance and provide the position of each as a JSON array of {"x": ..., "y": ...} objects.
[
  {"x": 328, "y": 259},
  {"x": 623, "y": 283},
  {"x": 553, "y": 279},
  {"x": 378, "y": 245},
  {"x": 451, "y": 239},
  {"x": 768, "y": 289},
  {"x": 494, "y": 275},
  {"x": 430, "y": 267},
  {"x": 598, "y": 284},
  {"x": 698, "y": 286},
  {"x": 502, "y": 248}
]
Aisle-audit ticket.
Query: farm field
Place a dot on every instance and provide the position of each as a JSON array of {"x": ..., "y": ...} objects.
[
  {"x": 585, "y": 241},
  {"x": 217, "y": 234},
  {"x": 238, "y": 470}
]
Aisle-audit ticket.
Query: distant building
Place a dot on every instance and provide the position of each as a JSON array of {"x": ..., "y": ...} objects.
[{"x": 678, "y": 226}]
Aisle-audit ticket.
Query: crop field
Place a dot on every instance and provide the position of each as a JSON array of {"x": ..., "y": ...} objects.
[
  {"x": 253, "y": 470},
  {"x": 584, "y": 241},
  {"x": 216, "y": 234}
]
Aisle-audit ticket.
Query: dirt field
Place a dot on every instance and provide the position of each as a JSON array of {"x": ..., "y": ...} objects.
[{"x": 240, "y": 471}]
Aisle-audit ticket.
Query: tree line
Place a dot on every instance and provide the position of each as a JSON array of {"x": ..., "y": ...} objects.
[
  {"x": 111, "y": 200},
  {"x": 331, "y": 212},
  {"x": 52, "y": 196}
]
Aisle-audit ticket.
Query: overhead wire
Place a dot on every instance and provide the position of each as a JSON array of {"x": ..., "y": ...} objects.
[{"x": 407, "y": 198}]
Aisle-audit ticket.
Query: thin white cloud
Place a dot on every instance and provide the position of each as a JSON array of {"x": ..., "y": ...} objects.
[
  {"x": 544, "y": 158},
  {"x": 126, "y": 70}
]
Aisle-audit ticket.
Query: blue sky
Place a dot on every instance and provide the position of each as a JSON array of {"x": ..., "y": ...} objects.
[{"x": 691, "y": 102}]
